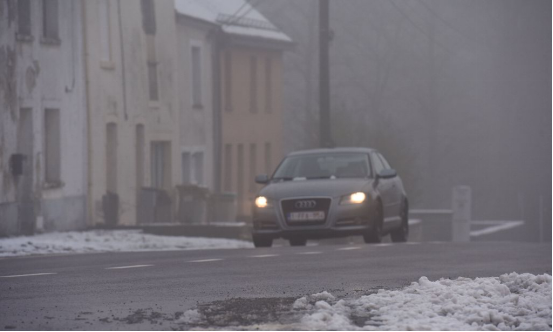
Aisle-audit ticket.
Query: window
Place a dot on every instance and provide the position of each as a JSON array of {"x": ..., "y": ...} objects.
[
  {"x": 152, "y": 81},
  {"x": 268, "y": 85},
  {"x": 52, "y": 146},
  {"x": 25, "y": 143},
  {"x": 228, "y": 168},
  {"x": 384, "y": 161},
  {"x": 228, "y": 82},
  {"x": 139, "y": 156},
  {"x": 160, "y": 161},
  {"x": 105, "y": 30},
  {"x": 377, "y": 164},
  {"x": 186, "y": 168},
  {"x": 111, "y": 157},
  {"x": 268, "y": 160},
  {"x": 199, "y": 168},
  {"x": 196, "y": 77},
  {"x": 253, "y": 84},
  {"x": 253, "y": 167},
  {"x": 193, "y": 164},
  {"x": 50, "y": 19},
  {"x": 151, "y": 62},
  {"x": 148, "y": 17},
  {"x": 240, "y": 171},
  {"x": 24, "y": 17},
  {"x": 327, "y": 165}
]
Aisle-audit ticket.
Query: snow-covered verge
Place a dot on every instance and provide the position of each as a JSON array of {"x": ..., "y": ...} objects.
[
  {"x": 108, "y": 241},
  {"x": 511, "y": 302}
]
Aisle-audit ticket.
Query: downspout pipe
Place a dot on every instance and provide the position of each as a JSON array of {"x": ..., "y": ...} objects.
[
  {"x": 123, "y": 80},
  {"x": 88, "y": 126},
  {"x": 217, "y": 116}
]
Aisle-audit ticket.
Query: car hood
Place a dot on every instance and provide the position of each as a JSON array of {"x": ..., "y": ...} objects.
[{"x": 322, "y": 187}]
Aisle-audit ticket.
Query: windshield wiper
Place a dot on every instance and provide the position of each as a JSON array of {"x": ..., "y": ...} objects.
[
  {"x": 351, "y": 177},
  {"x": 285, "y": 178},
  {"x": 320, "y": 177},
  {"x": 298, "y": 178}
]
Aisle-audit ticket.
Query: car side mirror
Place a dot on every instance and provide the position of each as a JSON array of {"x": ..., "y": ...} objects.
[
  {"x": 262, "y": 179},
  {"x": 387, "y": 173}
]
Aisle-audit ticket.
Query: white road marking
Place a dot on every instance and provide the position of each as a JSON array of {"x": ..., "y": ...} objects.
[
  {"x": 413, "y": 222},
  {"x": 383, "y": 244},
  {"x": 263, "y": 256},
  {"x": 411, "y": 243},
  {"x": 499, "y": 226},
  {"x": 310, "y": 253},
  {"x": 349, "y": 248},
  {"x": 493, "y": 222},
  {"x": 126, "y": 267},
  {"x": 28, "y": 275},
  {"x": 206, "y": 260}
]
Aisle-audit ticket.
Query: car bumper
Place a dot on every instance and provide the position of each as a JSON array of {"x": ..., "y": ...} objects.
[
  {"x": 312, "y": 233},
  {"x": 341, "y": 220}
]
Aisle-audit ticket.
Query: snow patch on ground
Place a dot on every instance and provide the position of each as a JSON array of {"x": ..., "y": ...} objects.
[
  {"x": 191, "y": 317},
  {"x": 304, "y": 302},
  {"x": 510, "y": 302},
  {"x": 108, "y": 241}
]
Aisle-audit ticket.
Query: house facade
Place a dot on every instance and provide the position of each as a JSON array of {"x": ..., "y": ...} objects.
[
  {"x": 195, "y": 51},
  {"x": 42, "y": 117},
  {"x": 251, "y": 119},
  {"x": 247, "y": 93},
  {"x": 134, "y": 111},
  {"x": 107, "y": 107}
]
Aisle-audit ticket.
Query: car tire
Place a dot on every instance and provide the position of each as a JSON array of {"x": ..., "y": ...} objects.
[
  {"x": 375, "y": 234},
  {"x": 262, "y": 242},
  {"x": 402, "y": 233},
  {"x": 298, "y": 242}
]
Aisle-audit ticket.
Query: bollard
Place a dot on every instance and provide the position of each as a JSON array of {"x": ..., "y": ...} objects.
[{"x": 461, "y": 208}]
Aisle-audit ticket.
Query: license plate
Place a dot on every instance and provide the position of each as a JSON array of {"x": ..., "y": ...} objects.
[{"x": 306, "y": 216}]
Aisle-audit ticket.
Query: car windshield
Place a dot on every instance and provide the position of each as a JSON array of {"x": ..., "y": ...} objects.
[{"x": 321, "y": 166}]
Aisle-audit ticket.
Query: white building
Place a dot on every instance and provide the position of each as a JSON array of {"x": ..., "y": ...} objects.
[
  {"x": 195, "y": 43},
  {"x": 136, "y": 107},
  {"x": 245, "y": 51},
  {"x": 42, "y": 117}
]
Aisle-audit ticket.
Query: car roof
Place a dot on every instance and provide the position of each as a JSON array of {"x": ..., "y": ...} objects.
[{"x": 332, "y": 150}]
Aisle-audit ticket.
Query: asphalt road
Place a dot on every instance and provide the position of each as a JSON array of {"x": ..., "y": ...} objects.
[{"x": 148, "y": 290}]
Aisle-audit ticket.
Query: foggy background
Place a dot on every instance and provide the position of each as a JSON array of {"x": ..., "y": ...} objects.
[{"x": 451, "y": 92}]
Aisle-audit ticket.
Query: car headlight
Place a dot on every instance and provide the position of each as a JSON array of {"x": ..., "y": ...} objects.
[
  {"x": 355, "y": 198},
  {"x": 262, "y": 202}
]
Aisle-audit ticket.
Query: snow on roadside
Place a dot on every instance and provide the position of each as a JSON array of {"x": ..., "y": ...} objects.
[
  {"x": 108, "y": 241},
  {"x": 511, "y": 302}
]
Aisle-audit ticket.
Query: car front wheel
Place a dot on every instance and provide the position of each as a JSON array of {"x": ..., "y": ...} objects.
[
  {"x": 402, "y": 233},
  {"x": 375, "y": 234}
]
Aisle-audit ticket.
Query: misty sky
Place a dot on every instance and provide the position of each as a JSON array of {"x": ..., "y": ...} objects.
[{"x": 453, "y": 92}]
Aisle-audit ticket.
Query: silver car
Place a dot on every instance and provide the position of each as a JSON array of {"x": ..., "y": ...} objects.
[{"x": 330, "y": 193}]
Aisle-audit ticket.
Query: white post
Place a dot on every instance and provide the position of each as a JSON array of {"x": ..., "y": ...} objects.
[
  {"x": 462, "y": 210},
  {"x": 39, "y": 225}
]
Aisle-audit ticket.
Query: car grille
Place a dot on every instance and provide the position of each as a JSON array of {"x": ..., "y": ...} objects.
[{"x": 292, "y": 205}]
